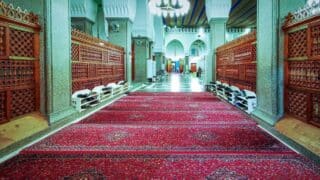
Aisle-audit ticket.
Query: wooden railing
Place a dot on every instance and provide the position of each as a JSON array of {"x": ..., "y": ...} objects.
[
  {"x": 236, "y": 62},
  {"x": 94, "y": 62},
  {"x": 302, "y": 69},
  {"x": 19, "y": 62}
]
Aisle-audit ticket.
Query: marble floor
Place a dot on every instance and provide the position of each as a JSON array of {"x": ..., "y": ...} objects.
[{"x": 176, "y": 82}]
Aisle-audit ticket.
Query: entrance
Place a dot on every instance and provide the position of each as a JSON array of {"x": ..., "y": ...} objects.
[{"x": 193, "y": 67}]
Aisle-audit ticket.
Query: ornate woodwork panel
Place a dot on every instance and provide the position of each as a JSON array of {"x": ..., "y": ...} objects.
[
  {"x": 3, "y": 107},
  {"x": 23, "y": 101},
  {"x": 302, "y": 69},
  {"x": 304, "y": 74},
  {"x": 315, "y": 40},
  {"x": 94, "y": 62},
  {"x": 315, "y": 109},
  {"x": 297, "y": 104},
  {"x": 2, "y": 41},
  {"x": 236, "y": 62},
  {"x": 21, "y": 43},
  {"x": 75, "y": 52},
  {"x": 19, "y": 62},
  {"x": 297, "y": 45}
]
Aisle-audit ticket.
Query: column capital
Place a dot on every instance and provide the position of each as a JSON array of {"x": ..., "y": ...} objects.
[
  {"x": 143, "y": 22},
  {"x": 120, "y": 9},
  {"x": 218, "y": 20},
  {"x": 84, "y": 9},
  {"x": 218, "y": 8}
]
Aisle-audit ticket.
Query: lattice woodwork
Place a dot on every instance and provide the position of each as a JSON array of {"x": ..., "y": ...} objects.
[
  {"x": 297, "y": 44},
  {"x": 236, "y": 62},
  {"x": 104, "y": 70},
  {"x": 254, "y": 52},
  {"x": 251, "y": 73},
  {"x": 315, "y": 40},
  {"x": 23, "y": 102},
  {"x": 302, "y": 69},
  {"x": 297, "y": 104},
  {"x": 79, "y": 70},
  {"x": 21, "y": 43},
  {"x": 316, "y": 109},
  {"x": 16, "y": 73},
  {"x": 3, "y": 115},
  {"x": 304, "y": 74},
  {"x": 75, "y": 52},
  {"x": 95, "y": 62},
  {"x": 90, "y": 54},
  {"x": 115, "y": 57},
  {"x": 2, "y": 41},
  {"x": 19, "y": 63}
]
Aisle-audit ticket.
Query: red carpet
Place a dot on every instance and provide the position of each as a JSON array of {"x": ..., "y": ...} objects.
[
  {"x": 192, "y": 136},
  {"x": 162, "y": 106},
  {"x": 165, "y": 118},
  {"x": 222, "y": 138},
  {"x": 103, "y": 166}
]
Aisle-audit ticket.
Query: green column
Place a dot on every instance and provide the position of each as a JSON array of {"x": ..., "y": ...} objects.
[
  {"x": 141, "y": 51},
  {"x": 217, "y": 38},
  {"x": 58, "y": 61},
  {"x": 268, "y": 82},
  {"x": 159, "y": 60},
  {"x": 270, "y": 58},
  {"x": 186, "y": 64},
  {"x": 120, "y": 34}
]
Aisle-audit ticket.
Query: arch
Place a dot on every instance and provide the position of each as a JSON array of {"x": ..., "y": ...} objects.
[
  {"x": 175, "y": 50},
  {"x": 198, "y": 48}
]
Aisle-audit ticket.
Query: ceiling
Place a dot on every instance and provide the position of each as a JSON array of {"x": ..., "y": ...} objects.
[
  {"x": 196, "y": 16},
  {"x": 242, "y": 14}
]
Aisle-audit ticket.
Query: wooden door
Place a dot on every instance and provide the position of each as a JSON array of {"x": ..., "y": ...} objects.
[
  {"x": 193, "y": 67},
  {"x": 132, "y": 62}
]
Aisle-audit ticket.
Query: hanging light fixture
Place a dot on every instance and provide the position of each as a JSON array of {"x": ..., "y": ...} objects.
[{"x": 169, "y": 7}]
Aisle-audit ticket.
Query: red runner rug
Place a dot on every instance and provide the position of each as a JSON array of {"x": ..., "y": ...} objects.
[
  {"x": 172, "y": 138},
  {"x": 161, "y": 136},
  {"x": 162, "y": 106},
  {"x": 166, "y": 118},
  {"x": 104, "y": 166}
]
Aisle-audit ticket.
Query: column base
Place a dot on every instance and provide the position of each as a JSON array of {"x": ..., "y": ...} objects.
[
  {"x": 266, "y": 117},
  {"x": 57, "y": 116}
]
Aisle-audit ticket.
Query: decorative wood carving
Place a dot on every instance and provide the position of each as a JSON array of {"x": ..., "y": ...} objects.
[
  {"x": 236, "y": 62},
  {"x": 302, "y": 69},
  {"x": 94, "y": 62},
  {"x": 19, "y": 62}
]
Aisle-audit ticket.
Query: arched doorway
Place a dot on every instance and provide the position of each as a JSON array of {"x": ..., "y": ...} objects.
[
  {"x": 175, "y": 57},
  {"x": 198, "y": 52}
]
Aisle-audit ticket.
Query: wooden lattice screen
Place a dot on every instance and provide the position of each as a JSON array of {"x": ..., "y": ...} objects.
[
  {"x": 94, "y": 62},
  {"x": 19, "y": 62},
  {"x": 236, "y": 62},
  {"x": 302, "y": 69}
]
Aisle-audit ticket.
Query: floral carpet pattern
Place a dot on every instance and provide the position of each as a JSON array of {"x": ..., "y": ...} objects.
[{"x": 161, "y": 136}]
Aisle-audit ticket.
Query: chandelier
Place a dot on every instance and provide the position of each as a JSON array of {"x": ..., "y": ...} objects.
[{"x": 169, "y": 7}]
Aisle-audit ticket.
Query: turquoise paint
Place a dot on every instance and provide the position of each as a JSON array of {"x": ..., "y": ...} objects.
[
  {"x": 141, "y": 46},
  {"x": 122, "y": 37},
  {"x": 270, "y": 58}
]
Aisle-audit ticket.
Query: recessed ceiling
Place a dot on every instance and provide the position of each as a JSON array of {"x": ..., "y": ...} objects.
[
  {"x": 243, "y": 13},
  {"x": 196, "y": 17}
]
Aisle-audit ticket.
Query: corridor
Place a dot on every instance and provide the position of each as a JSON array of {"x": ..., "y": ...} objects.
[
  {"x": 176, "y": 82},
  {"x": 161, "y": 132}
]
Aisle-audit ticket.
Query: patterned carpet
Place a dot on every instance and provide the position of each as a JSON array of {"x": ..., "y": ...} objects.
[{"x": 162, "y": 136}]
